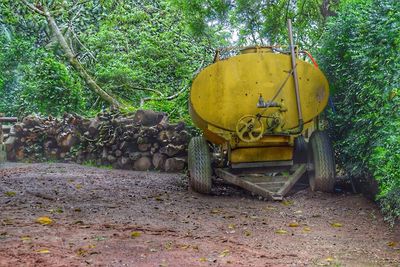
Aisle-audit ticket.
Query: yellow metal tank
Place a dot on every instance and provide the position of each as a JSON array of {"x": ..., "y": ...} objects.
[{"x": 255, "y": 91}]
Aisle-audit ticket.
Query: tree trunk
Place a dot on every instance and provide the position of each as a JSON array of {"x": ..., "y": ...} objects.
[
  {"x": 71, "y": 57},
  {"x": 76, "y": 65}
]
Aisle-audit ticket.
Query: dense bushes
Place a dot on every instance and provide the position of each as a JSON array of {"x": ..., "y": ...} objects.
[
  {"x": 134, "y": 50},
  {"x": 35, "y": 81},
  {"x": 361, "y": 55}
]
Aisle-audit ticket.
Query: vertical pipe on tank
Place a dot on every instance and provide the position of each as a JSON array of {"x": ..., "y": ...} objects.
[{"x": 295, "y": 77}]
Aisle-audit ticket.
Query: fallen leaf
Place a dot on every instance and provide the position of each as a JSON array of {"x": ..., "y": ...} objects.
[
  {"x": 168, "y": 245},
  {"x": 231, "y": 226},
  {"x": 281, "y": 231},
  {"x": 185, "y": 246},
  {"x": 294, "y": 224},
  {"x": 78, "y": 186},
  {"x": 224, "y": 253},
  {"x": 247, "y": 233},
  {"x": 159, "y": 198},
  {"x": 81, "y": 252},
  {"x": 306, "y": 229},
  {"x": 7, "y": 222},
  {"x": 26, "y": 238},
  {"x": 100, "y": 238},
  {"x": 77, "y": 210},
  {"x": 43, "y": 251},
  {"x": 10, "y": 193},
  {"x": 336, "y": 224},
  {"x": 392, "y": 244},
  {"x": 3, "y": 235},
  {"x": 202, "y": 259},
  {"x": 164, "y": 263},
  {"x": 57, "y": 210},
  {"x": 135, "y": 234},
  {"x": 329, "y": 259},
  {"x": 44, "y": 220},
  {"x": 288, "y": 202},
  {"x": 215, "y": 211}
]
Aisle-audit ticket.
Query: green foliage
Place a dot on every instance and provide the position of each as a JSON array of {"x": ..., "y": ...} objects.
[
  {"x": 134, "y": 49},
  {"x": 143, "y": 50},
  {"x": 51, "y": 88},
  {"x": 361, "y": 56},
  {"x": 34, "y": 81},
  {"x": 177, "y": 109},
  {"x": 11, "y": 52},
  {"x": 257, "y": 22}
]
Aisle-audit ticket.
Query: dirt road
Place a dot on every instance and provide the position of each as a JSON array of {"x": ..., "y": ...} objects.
[{"x": 103, "y": 217}]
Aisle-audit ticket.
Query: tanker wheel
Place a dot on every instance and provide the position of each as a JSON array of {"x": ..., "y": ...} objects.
[
  {"x": 199, "y": 162},
  {"x": 300, "y": 150},
  {"x": 321, "y": 163}
]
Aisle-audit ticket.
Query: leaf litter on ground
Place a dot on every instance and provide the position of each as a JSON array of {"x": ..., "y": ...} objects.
[
  {"x": 10, "y": 193},
  {"x": 44, "y": 220},
  {"x": 336, "y": 224},
  {"x": 281, "y": 231},
  {"x": 135, "y": 234}
]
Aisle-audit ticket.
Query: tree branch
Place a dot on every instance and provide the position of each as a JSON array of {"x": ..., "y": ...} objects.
[
  {"x": 33, "y": 8},
  {"x": 69, "y": 54},
  {"x": 171, "y": 97},
  {"x": 80, "y": 43},
  {"x": 147, "y": 89}
]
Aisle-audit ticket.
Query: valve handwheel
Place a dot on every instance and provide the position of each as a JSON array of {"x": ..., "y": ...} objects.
[{"x": 249, "y": 128}]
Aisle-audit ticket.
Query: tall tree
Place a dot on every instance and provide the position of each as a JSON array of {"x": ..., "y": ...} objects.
[
  {"x": 133, "y": 50},
  {"x": 43, "y": 10},
  {"x": 260, "y": 22}
]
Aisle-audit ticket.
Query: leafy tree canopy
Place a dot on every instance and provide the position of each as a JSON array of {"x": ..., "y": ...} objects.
[
  {"x": 259, "y": 22},
  {"x": 135, "y": 50}
]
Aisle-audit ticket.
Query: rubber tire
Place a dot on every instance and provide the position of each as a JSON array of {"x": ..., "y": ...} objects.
[
  {"x": 300, "y": 150},
  {"x": 199, "y": 163},
  {"x": 321, "y": 160}
]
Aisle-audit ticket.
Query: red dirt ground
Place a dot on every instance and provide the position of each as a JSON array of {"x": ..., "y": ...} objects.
[{"x": 124, "y": 218}]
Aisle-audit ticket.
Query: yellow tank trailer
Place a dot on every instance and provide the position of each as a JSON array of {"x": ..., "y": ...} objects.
[{"x": 258, "y": 112}]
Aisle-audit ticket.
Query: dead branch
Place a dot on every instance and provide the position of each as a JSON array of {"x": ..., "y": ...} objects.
[{"x": 71, "y": 56}]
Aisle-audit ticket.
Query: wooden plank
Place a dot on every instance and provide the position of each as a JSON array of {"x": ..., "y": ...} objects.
[
  {"x": 271, "y": 183},
  {"x": 271, "y": 187},
  {"x": 261, "y": 179},
  {"x": 226, "y": 175},
  {"x": 8, "y": 119},
  {"x": 293, "y": 179}
]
